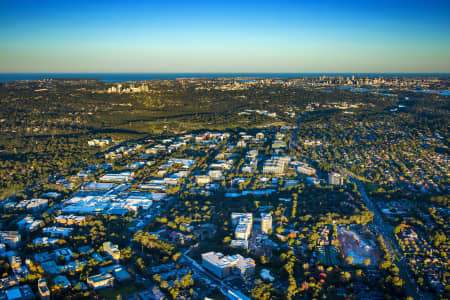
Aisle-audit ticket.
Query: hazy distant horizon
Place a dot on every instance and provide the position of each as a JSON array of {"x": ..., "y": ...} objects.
[{"x": 140, "y": 76}]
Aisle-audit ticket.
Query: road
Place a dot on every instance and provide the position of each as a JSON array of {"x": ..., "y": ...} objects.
[
  {"x": 294, "y": 138},
  {"x": 386, "y": 231}
]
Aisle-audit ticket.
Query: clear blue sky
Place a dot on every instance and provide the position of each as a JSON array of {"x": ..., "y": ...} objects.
[{"x": 224, "y": 36}]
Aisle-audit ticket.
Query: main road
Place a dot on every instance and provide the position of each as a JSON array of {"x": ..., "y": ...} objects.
[{"x": 386, "y": 231}]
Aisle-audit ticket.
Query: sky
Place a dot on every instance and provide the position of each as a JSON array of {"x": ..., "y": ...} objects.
[{"x": 225, "y": 36}]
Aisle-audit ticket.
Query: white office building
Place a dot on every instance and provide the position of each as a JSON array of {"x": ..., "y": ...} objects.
[
  {"x": 266, "y": 223},
  {"x": 121, "y": 177},
  {"x": 243, "y": 223},
  {"x": 275, "y": 165},
  {"x": 224, "y": 266},
  {"x": 242, "y": 231},
  {"x": 10, "y": 238},
  {"x": 305, "y": 169},
  {"x": 235, "y": 217},
  {"x": 335, "y": 179}
]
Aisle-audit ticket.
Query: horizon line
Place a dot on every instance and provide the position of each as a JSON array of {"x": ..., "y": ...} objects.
[{"x": 246, "y": 72}]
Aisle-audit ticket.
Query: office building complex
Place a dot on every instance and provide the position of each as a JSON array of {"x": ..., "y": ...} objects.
[
  {"x": 101, "y": 281},
  {"x": 275, "y": 165},
  {"x": 224, "y": 266}
]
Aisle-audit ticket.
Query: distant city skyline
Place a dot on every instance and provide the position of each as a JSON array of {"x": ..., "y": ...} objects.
[{"x": 248, "y": 37}]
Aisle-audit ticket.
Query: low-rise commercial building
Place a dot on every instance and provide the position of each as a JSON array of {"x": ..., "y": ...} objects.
[
  {"x": 100, "y": 281},
  {"x": 202, "y": 179},
  {"x": 120, "y": 177},
  {"x": 112, "y": 250},
  {"x": 215, "y": 175},
  {"x": 10, "y": 238},
  {"x": 239, "y": 243},
  {"x": 58, "y": 231},
  {"x": 29, "y": 224},
  {"x": 99, "y": 142},
  {"x": 223, "y": 266},
  {"x": 62, "y": 281},
  {"x": 275, "y": 165},
  {"x": 37, "y": 204},
  {"x": 23, "y": 292},
  {"x": 43, "y": 290},
  {"x": 305, "y": 169},
  {"x": 71, "y": 220}
]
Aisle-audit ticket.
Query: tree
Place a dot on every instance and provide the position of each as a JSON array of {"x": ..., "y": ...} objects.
[
  {"x": 186, "y": 281},
  {"x": 262, "y": 290},
  {"x": 358, "y": 273},
  {"x": 157, "y": 277},
  {"x": 292, "y": 288},
  {"x": 164, "y": 284},
  {"x": 345, "y": 277},
  {"x": 385, "y": 265},
  {"x": 397, "y": 281},
  {"x": 349, "y": 260},
  {"x": 263, "y": 259},
  {"x": 176, "y": 256}
]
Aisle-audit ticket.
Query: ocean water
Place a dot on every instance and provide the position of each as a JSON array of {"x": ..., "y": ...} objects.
[
  {"x": 386, "y": 93},
  {"x": 119, "y": 77}
]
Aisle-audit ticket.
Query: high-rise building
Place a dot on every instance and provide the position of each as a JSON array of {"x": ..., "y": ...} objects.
[
  {"x": 235, "y": 217},
  {"x": 243, "y": 231},
  {"x": 243, "y": 223},
  {"x": 335, "y": 178},
  {"x": 266, "y": 223}
]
